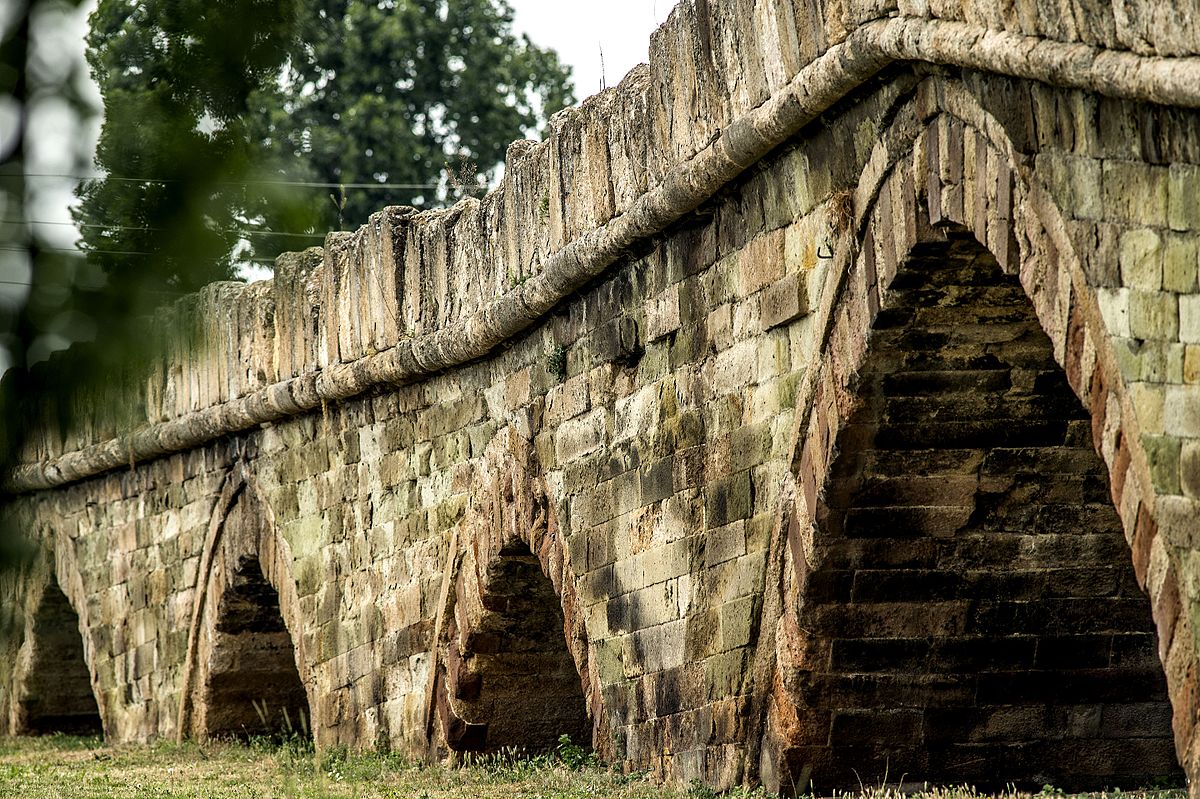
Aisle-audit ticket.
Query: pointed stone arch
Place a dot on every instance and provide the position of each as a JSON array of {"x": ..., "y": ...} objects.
[
  {"x": 246, "y": 671},
  {"x": 971, "y": 601},
  {"x": 512, "y": 667},
  {"x": 945, "y": 181},
  {"x": 51, "y": 688}
]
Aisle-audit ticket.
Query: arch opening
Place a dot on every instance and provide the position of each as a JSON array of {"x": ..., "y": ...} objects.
[
  {"x": 975, "y": 612},
  {"x": 56, "y": 695},
  {"x": 512, "y": 682},
  {"x": 252, "y": 684}
]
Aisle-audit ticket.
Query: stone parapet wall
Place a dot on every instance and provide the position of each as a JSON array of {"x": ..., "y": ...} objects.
[
  {"x": 410, "y": 293},
  {"x": 638, "y": 369}
]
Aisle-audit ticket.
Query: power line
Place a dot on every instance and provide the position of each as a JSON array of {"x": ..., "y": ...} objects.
[
  {"x": 304, "y": 183},
  {"x": 246, "y": 231},
  {"x": 116, "y": 252}
]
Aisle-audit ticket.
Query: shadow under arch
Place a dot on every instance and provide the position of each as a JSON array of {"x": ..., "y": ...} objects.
[
  {"x": 975, "y": 608},
  {"x": 245, "y": 672},
  {"x": 944, "y": 175},
  {"x": 512, "y": 657},
  {"x": 51, "y": 685}
]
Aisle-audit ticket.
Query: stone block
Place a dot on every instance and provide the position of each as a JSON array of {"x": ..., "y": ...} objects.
[
  {"x": 592, "y": 506},
  {"x": 720, "y": 326},
  {"x": 736, "y": 622},
  {"x": 1181, "y": 411},
  {"x": 1176, "y": 518},
  {"x": 654, "y": 605},
  {"x": 636, "y": 415},
  {"x": 1189, "y": 468},
  {"x": 1140, "y": 255},
  {"x": 783, "y": 301},
  {"x": 727, "y": 500},
  {"x": 724, "y": 543},
  {"x": 581, "y": 436},
  {"x": 734, "y": 369},
  {"x": 1183, "y": 197},
  {"x": 656, "y": 481},
  {"x": 1163, "y": 457},
  {"x": 1098, "y": 243},
  {"x": 1148, "y": 401},
  {"x": 1114, "y": 309},
  {"x": 1189, "y": 319},
  {"x": 662, "y": 314},
  {"x": 1135, "y": 192},
  {"x": 1191, "y": 363},
  {"x": 670, "y": 561},
  {"x": 760, "y": 262},
  {"x": 1181, "y": 264},
  {"x": 1153, "y": 315},
  {"x": 1073, "y": 181},
  {"x": 747, "y": 317},
  {"x": 626, "y": 496},
  {"x": 803, "y": 242},
  {"x": 673, "y": 635}
]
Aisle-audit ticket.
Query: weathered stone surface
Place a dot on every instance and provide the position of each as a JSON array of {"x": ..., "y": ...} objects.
[{"x": 779, "y": 415}]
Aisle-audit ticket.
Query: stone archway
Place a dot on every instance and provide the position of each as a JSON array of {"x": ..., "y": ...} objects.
[
  {"x": 53, "y": 683},
  {"x": 512, "y": 682},
  {"x": 944, "y": 182},
  {"x": 975, "y": 612},
  {"x": 512, "y": 672},
  {"x": 243, "y": 676}
]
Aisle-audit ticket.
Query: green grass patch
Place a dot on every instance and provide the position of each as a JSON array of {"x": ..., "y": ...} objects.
[{"x": 64, "y": 767}]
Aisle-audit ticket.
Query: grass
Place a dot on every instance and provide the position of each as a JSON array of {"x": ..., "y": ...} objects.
[{"x": 66, "y": 767}]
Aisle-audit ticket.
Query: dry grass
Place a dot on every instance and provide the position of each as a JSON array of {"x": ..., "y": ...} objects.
[
  {"x": 81, "y": 768},
  {"x": 62, "y": 767}
]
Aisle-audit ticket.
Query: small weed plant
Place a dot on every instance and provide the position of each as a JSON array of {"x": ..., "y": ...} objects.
[{"x": 574, "y": 756}]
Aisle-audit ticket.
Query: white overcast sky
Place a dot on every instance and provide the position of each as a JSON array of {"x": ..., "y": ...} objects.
[{"x": 580, "y": 29}]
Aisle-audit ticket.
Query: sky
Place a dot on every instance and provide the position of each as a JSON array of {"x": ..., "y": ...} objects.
[{"x": 580, "y": 30}]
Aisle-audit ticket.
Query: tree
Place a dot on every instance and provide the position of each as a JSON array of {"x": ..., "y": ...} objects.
[
  {"x": 176, "y": 77},
  {"x": 36, "y": 297},
  {"x": 333, "y": 92},
  {"x": 388, "y": 92}
]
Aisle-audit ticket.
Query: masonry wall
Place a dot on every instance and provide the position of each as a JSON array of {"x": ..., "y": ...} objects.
[
  {"x": 651, "y": 412},
  {"x": 659, "y": 405}
]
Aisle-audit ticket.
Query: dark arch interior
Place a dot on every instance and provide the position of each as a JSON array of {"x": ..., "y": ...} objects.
[
  {"x": 57, "y": 692},
  {"x": 520, "y": 688},
  {"x": 975, "y": 586},
  {"x": 253, "y": 685}
]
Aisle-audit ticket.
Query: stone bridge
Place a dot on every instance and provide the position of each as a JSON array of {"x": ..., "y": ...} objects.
[{"x": 822, "y": 402}]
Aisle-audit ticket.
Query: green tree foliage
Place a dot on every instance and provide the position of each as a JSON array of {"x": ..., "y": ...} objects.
[
  {"x": 338, "y": 92},
  {"x": 390, "y": 92},
  {"x": 37, "y": 304},
  {"x": 176, "y": 77}
]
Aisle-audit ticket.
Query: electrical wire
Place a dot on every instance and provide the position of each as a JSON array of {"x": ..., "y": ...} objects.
[
  {"x": 116, "y": 252},
  {"x": 244, "y": 231},
  {"x": 303, "y": 183}
]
